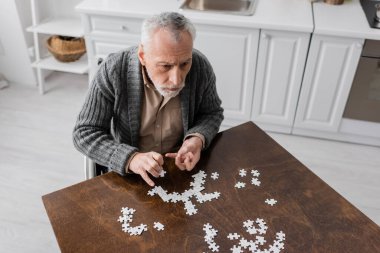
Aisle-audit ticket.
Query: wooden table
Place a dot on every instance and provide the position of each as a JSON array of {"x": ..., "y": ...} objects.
[{"x": 313, "y": 216}]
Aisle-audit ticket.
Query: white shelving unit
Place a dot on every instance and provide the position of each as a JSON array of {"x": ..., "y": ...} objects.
[{"x": 54, "y": 17}]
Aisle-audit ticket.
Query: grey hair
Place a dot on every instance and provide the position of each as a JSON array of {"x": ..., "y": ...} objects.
[{"x": 171, "y": 21}]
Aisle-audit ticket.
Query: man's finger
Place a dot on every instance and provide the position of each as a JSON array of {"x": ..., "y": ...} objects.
[
  {"x": 171, "y": 155},
  {"x": 187, "y": 163},
  {"x": 190, "y": 155},
  {"x": 183, "y": 150},
  {"x": 146, "y": 178},
  {"x": 179, "y": 163},
  {"x": 158, "y": 158},
  {"x": 153, "y": 168},
  {"x": 153, "y": 172}
]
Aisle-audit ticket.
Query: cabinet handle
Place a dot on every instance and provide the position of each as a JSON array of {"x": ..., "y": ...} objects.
[
  {"x": 124, "y": 28},
  {"x": 265, "y": 36},
  {"x": 100, "y": 60}
]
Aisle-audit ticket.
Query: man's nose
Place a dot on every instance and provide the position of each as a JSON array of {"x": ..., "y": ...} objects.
[{"x": 175, "y": 76}]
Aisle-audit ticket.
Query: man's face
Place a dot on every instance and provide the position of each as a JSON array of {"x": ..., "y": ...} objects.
[{"x": 167, "y": 61}]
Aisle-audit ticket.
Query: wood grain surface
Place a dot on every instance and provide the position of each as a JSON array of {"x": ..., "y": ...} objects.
[{"x": 312, "y": 215}]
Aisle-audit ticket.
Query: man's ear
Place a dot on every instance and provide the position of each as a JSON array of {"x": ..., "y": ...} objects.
[{"x": 141, "y": 55}]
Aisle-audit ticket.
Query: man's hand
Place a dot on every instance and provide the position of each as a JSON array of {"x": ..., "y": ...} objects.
[
  {"x": 144, "y": 163},
  {"x": 189, "y": 154}
]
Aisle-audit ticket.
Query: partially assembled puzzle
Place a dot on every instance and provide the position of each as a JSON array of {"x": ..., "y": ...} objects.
[
  {"x": 186, "y": 196},
  {"x": 194, "y": 196}
]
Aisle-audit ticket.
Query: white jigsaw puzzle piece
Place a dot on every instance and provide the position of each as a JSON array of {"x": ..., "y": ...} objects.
[{"x": 271, "y": 202}]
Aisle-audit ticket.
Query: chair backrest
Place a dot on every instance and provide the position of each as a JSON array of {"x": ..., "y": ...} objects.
[
  {"x": 92, "y": 169},
  {"x": 89, "y": 168}
]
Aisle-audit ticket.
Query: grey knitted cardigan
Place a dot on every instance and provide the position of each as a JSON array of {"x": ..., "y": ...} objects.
[{"x": 107, "y": 128}]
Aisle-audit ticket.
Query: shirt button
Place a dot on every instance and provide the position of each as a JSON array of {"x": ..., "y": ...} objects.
[
  {"x": 156, "y": 145},
  {"x": 158, "y": 126}
]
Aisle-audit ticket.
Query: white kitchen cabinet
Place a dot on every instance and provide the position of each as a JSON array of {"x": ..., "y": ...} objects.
[
  {"x": 54, "y": 18},
  {"x": 280, "y": 66},
  {"x": 106, "y": 34},
  {"x": 232, "y": 52},
  {"x": 328, "y": 77}
]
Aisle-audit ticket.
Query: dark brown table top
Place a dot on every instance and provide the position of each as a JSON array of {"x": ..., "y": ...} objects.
[{"x": 312, "y": 215}]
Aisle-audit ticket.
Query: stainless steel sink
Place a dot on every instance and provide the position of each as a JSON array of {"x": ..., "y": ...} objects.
[{"x": 236, "y": 7}]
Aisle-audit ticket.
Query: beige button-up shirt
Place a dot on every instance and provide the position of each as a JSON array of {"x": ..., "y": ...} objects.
[{"x": 161, "y": 127}]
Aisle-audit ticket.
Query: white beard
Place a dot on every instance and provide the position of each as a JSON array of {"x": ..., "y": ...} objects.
[
  {"x": 170, "y": 94},
  {"x": 166, "y": 93}
]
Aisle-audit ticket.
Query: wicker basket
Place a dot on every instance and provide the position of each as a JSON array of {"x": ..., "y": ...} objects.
[
  {"x": 66, "y": 49},
  {"x": 334, "y": 2}
]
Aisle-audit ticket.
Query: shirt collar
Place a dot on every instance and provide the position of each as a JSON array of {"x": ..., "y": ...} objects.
[{"x": 147, "y": 82}]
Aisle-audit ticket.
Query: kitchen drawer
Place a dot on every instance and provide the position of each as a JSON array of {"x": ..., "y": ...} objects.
[
  {"x": 102, "y": 48},
  {"x": 115, "y": 25},
  {"x": 99, "y": 50}
]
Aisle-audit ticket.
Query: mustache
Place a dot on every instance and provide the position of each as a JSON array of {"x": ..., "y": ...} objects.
[
  {"x": 171, "y": 86},
  {"x": 169, "y": 92}
]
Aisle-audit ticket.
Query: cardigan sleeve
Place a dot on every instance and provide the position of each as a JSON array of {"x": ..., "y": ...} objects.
[
  {"x": 92, "y": 132},
  {"x": 208, "y": 113}
]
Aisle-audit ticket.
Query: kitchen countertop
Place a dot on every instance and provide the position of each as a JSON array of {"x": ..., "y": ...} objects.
[
  {"x": 346, "y": 20},
  {"x": 289, "y": 15}
]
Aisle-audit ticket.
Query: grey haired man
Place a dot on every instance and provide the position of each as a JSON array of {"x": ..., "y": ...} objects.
[{"x": 151, "y": 101}]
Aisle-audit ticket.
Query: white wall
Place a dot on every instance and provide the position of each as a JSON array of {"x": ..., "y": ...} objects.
[
  {"x": 15, "y": 64},
  {"x": 25, "y": 16}
]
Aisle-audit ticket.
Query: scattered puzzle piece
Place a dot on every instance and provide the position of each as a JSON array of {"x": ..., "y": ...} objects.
[
  {"x": 280, "y": 236},
  {"x": 242, "y": 172},
  {"x": 271, "y": 202},
  {"x": 236, "y": 249},
  {"x": 248, "y": 223},
  {"x": 233, "y": 236},
  {"x": 251, "y": 230},
  {"x": 215, "y": 175},
  {"x": 240, "y": 185},
  {"x": 162, "y": 173},
  {"x": 152, "y": 192},
  {"x": 159, "y": 226},
  {"x": 260, "y": 239},
  {"x": 255, "y": 181},
  {"x": 244, "y": 243},
  {"x": 255, "y": 173}
]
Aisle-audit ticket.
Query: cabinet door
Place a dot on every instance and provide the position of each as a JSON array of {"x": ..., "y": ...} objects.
[
  {"x": 280, "y": 66},
  {"x": 232, "y": 53},
  {"x": 99, "y": 48},
  {"x": 108, "y": 34},
  {"x": 329, "y": 73}
]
